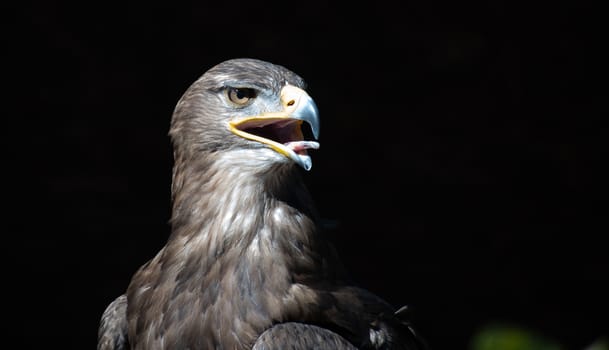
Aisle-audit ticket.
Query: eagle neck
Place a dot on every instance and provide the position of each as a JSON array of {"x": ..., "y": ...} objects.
[{"x": 251, "y": 210}]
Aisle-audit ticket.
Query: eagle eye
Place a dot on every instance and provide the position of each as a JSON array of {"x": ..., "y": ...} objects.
[{"x": 241, "y": 96}]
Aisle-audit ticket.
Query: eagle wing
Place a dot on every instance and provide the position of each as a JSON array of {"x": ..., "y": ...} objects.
[
  {"x": 299, "y": 336},
  {"x": 112, "y": 333}
]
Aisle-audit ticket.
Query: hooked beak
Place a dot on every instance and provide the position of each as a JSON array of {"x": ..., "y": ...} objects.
[{"x": 282, "y": 130}]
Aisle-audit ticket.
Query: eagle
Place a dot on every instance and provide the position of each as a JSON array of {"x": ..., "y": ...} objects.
[{"x": 247, "y": 264}]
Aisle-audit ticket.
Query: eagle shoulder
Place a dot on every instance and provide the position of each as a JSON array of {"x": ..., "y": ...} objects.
[{"x": 112, "y": 333}]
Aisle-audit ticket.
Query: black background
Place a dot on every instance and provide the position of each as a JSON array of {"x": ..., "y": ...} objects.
[{"x": 462, "y": 153}]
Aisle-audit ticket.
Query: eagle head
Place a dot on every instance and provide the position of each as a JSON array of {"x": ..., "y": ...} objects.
[{"x": 250, "y": 107}]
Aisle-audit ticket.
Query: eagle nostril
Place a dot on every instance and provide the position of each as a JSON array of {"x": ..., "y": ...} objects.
[{"x": 291, "y": 102}]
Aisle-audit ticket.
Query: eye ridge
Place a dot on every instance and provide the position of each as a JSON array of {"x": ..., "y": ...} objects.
[{"x": 241, "y": 96}]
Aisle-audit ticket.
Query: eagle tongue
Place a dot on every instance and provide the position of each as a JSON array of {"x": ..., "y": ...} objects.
[{"x": 300, "y": 147}]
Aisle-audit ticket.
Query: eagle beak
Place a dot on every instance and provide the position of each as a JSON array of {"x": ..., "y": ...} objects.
[
  {"x": 299, "y": 105},
  {"x": 282, "y": 130}
]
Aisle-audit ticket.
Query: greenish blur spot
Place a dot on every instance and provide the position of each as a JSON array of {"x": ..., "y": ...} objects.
[{"x": 502, "y": 337}]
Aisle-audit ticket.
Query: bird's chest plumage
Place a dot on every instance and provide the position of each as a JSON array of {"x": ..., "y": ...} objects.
[
  {"x": 221, "y": 309},
  {"x": 221, "y": 299}
]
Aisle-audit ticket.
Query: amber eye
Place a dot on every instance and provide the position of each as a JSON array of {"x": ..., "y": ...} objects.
[{"x": 241, "y": 96}]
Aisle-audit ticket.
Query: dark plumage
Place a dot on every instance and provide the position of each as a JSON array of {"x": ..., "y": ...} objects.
[{"x": 246, "y": 265}]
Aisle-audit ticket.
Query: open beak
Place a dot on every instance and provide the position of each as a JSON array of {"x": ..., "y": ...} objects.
[{"x": 282, "y": 130}]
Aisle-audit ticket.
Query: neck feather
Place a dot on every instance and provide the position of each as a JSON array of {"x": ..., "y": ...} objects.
[{"x": 225, "y": 206}]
